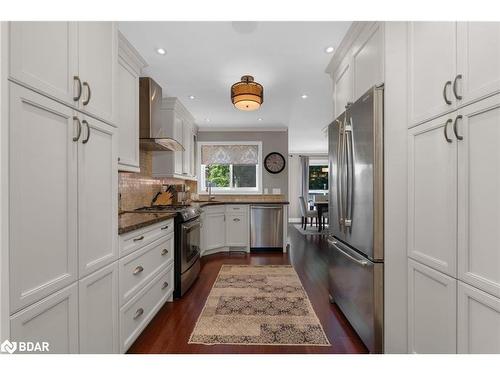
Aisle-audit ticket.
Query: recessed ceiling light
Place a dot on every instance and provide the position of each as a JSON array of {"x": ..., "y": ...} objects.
[
  {"x": 207, "y": 120},
  {"x": 329, "y": 49},
  {"x": 191, "y": 97},
  {"x": 259, "y": 119},
  {"x": 161, "y": 51},
  {"x": 304, "y": 96}
]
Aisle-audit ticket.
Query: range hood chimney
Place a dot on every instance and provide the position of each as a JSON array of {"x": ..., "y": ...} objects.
[{"x": 150, "y": 95}]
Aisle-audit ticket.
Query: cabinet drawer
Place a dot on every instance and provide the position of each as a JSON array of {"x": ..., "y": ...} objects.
[
  {"x": 132, "y": 241},
  {"x": 237, "y": 208},
  {"x": 139, "y": 311},
  {"x": 217, "y": 209},
  {"x": 139, "y": 267}
]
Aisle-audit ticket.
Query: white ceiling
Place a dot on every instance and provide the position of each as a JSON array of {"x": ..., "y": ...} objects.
[{"x": 205, "y": 58}]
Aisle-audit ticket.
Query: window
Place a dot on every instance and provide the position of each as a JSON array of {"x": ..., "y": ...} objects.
[
  {"x": 230, "y": 167},
  {"x": 318, "y": 179}
]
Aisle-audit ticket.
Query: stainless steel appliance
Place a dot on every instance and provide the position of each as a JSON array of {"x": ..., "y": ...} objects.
[
  {"x": 186, "y": 243},
  {"x": 266, "y": 227},
  {"x": 356, "y": 201}
]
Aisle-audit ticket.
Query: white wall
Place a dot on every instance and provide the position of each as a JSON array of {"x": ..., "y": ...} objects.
[
  {"x": 395, "y": 180},
  {"x": 294, "y": 187}
]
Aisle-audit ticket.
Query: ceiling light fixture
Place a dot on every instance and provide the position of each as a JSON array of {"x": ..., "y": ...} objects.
[
  {"x": 191, "y": 97},
  {"x": 259, "y": 119},
  {"x": 304, "y": 96},
  {"x": 207, "y": 120},
  {"x": 247, "y": 95},
  {"x": 161, "y": 51},
  {"x": 329, "y": 49}
]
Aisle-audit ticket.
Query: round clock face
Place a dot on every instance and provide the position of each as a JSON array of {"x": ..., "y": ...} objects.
[{"x": 274, "y": 162}]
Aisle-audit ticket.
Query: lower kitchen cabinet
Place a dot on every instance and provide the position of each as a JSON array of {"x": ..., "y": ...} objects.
[
  {"x": 237, "y": 225},
  {"x": 53, "y": 320},
  {"x": 432, "y": 310},
  {"x": 98, "y": 307},
  {"x": 213, "y": 231},
  {"x": 478, "y": 321}
]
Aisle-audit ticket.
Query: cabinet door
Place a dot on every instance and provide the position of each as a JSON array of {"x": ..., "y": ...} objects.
[
  {"x": 432, "y": 63},
  {"x": 478, "y": 321},
  {"x": 179, "y": 137},
  {"x": 98, "y": 306},
  {"x": 237, "y": 229},
  {"x": 342, "y": 87},
  {"x": 53, "y": 320},
  {"x": 97, "y": 65},
  {"x": 128, "y": 117},
  {"x": 43, "y": 55},
  {"x": 186, "y": 158},
  {"x": 43, "y": 197},
  {"x": 97, "y": 196},
  {"x": 214, "y": 230},
  {"x": 479, "y": 194},
  {"x": 432, "y": 195},
  {"x": 432, "y": 310},
  {"x": 478, "y": 59}
]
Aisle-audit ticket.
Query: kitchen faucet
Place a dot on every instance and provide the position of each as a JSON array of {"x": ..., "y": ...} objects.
[{"x": 209, "y": 190}]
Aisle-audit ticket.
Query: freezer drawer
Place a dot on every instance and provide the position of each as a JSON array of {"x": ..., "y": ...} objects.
[
  {"x": 356, "y": 286},
  {"x": 266, "y": 226}
]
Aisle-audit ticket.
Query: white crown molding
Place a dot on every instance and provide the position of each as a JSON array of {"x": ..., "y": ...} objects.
[{"x": 127, "y": 49}]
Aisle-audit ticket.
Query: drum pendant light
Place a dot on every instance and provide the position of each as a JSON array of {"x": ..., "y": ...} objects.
[{"x": 247, "y": 95}]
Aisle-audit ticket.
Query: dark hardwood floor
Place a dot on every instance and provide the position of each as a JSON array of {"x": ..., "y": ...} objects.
[{"x": 169, "y": 331}]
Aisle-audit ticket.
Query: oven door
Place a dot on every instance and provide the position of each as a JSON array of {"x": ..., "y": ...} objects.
[{"x": 190, "y": 243}]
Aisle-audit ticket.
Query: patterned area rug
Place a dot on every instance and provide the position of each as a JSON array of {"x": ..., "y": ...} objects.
[{"x": 258, "y": 305}]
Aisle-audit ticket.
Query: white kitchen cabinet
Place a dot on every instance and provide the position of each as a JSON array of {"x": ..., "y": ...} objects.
[
  {"x": 478, "y": 60},
  {"x": 432, "y": 195},
  {"x": 97, "y": 68},
  {"x": 213, "y": 231},
  {"x": 432, "y": 310},
  {"x": 479, "y": 194},
  {"x": 97, "y": 196},
  {"x": 130, "y": 64},
  {"x": 43, "y": 197},
  {"x": 237, "y": 226},
  {"x": 368, "y": 59},
  {"x": 343, "y": 92},
  {"x": 98, "y": 311},
  {"x": 432, "y": 69},
  {"x": 43, "y": 55},
  {"x": 187, "y": 140},
  {"x": 478, "y": 321},
  {"x": 53, "y": 320}
]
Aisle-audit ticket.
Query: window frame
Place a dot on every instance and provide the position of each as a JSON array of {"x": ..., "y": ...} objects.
[
  {"x": 229, "y": 190},
  {"x": 315, "y": 163}
]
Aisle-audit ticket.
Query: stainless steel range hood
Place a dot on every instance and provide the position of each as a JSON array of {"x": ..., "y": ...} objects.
[{"x": 150, "y": 95}]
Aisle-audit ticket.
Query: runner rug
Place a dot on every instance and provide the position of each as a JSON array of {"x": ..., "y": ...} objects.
[{"x": 258, "y": 305}]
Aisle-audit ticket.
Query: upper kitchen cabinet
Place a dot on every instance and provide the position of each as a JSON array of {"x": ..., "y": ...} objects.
[
  {"x": 176, "y": 123},
  {"x": 342, "y": 93},
  {"x": 432, "y": 69},
  {"x": 73, "y": 62},
  {"x": 130, "y": 64},
  {"x": 478, "y": 60},
  {"x": 97, "y": 68}
]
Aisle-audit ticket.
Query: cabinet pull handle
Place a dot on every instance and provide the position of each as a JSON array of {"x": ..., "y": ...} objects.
[
  {"x": 165, "y": 227},
  {"x": 79, "y": 129},
  {"x": 88, "y": 131},
  {"x": 449, "y": 121},
  {"x": 165, "y": 285},
  {"x": 79, "y": 95},
  {"x": 236, "y": 219},
  {"x": 455, "y": 90},
  {"x": 164, "y": 252},
  {"x": 138, "y": 270},
  {"x": 455, "y": 130},
  {"x": 138, "y": 313},
  {"x": 89, "y": 93},
  {"x": 139, "y": 238},
  {"x": 445, "y": 96}
]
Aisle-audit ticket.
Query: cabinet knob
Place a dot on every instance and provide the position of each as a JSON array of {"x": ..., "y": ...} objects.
[
  {"x": 236, "y": 219},
  {"x": 138, "y": 270},
  {"x": 138, "y": 313},
  {"x": 164, "y": 252},
  {"x": 165, "y": 285},
  {"x": 165, "y": 227},
  {"x": 139, "y": 238}
]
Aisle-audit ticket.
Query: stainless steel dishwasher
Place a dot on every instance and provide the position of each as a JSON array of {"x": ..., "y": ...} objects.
[{"x": 266, "y": 226}]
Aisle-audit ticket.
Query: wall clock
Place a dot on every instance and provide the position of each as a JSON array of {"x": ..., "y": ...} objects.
[{"x": 274, "y": 162}]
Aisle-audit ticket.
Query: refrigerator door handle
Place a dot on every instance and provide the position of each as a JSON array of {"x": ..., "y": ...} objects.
[
  {"x": 349, "y": 173},
  {"x": 340, "y": 157},
  {"x": 361, "y": 262}
]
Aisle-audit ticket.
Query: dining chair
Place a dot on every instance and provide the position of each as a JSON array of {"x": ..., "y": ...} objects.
[{"x": 306, "y": 213}]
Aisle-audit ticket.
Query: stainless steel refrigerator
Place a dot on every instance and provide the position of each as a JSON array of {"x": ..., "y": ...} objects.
[{"x": 356, "y": 214}]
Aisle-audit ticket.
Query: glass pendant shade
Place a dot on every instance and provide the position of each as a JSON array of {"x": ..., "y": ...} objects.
[{"x": 247, "y": 95}]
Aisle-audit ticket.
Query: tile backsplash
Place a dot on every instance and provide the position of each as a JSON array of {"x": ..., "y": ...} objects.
[{"x": 138, "y": 189}]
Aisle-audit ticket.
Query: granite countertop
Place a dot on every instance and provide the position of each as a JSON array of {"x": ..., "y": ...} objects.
[
  {"x": 129, "y": 221},
  {"x": 240, "y": 201}
]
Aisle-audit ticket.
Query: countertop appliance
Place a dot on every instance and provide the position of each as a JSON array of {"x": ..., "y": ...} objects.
[
  {"x": 186, "y": 243},
  {"x": 150, "y": 95},
  {"x": 266, "y": 227},
  {"x": 356, "y": 201}
]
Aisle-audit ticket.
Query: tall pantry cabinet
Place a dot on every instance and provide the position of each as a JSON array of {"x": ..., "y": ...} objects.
[
  {"x": 63, "y": 185},
  {"x": 453, "y": 187}
]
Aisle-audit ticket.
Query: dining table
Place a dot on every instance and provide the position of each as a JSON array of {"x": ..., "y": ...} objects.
[{"x": 321, "y": 207}]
